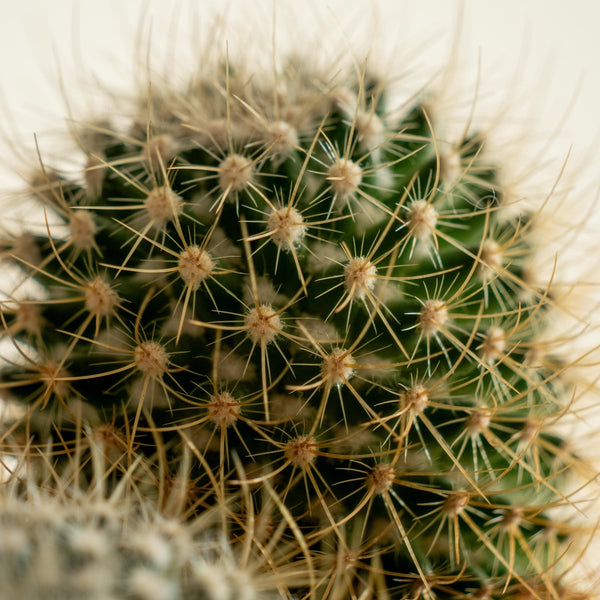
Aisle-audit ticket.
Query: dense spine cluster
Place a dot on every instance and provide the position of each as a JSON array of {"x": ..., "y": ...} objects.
[{"x": 331, "y": 306}]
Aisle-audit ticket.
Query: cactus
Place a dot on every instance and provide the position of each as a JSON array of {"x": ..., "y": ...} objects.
[
  {"x": 321, "y": 297},
  {"x": 63, "y": 538}
]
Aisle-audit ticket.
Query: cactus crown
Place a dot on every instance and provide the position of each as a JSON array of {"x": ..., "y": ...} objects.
[{"x": 292, "y": 278}]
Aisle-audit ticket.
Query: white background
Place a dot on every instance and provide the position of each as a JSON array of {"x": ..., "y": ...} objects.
[
  {"x": 562, "y": 34},
  {"x": 552, "y": 40}
]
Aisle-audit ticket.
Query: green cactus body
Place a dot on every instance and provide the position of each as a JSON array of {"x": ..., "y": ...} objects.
[{"x": 300, "y": 279}]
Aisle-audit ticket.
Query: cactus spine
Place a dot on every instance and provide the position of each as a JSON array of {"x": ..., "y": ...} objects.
[{"x": 303, "y": 286}]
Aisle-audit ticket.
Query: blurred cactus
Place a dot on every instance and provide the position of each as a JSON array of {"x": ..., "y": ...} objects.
[
  {"x": 299, "y": 275},
  {"x": 62, "y": 538}
]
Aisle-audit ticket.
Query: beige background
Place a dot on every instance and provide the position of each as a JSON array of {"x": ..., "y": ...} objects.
[{"x": 552, "y": 39}]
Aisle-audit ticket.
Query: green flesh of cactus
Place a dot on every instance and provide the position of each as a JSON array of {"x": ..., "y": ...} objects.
[{"x": 317, "y": 288}]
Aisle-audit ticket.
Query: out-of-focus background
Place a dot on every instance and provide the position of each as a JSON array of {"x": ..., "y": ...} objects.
[{"x": 549, "y": 46}]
